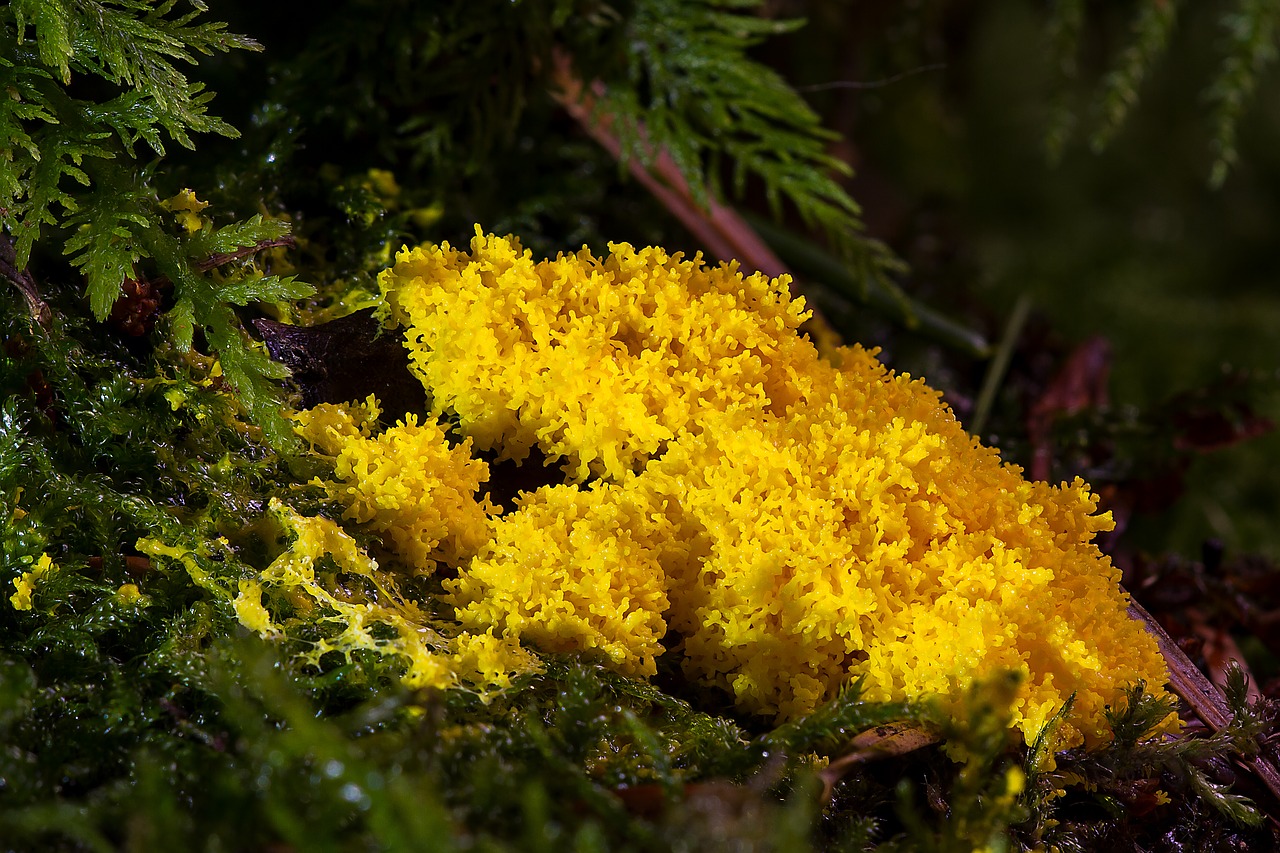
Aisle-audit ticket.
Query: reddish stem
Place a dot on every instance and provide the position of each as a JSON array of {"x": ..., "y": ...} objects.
[{"x": 718, "y": 227}]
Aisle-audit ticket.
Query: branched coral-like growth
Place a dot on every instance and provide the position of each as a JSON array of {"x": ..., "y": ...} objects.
[
  {"x": 427, "y": 510},
  {"x": 598, "y": 361},
  {"x": 795, "y": 523}
]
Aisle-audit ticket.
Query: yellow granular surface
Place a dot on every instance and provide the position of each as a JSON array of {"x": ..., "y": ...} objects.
[
  {"x": 787, "y": 524},
  {"x": 597, "y": 361},
  {"x": 866, "y": 535},
  {"x": 610, "y": 598},
  {"x": 406, "y": 483}
]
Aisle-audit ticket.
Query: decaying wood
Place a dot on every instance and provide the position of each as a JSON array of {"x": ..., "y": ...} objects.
[{"x": 885, "y": 741}]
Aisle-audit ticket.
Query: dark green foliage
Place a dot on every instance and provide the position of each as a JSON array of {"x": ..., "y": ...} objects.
[
  {"x": 1135, "y": 772},
  {"x": 70, "y": 174},
  {"x": 831, "y": 726},
  {"x": 986, "y": 786},
  {"x": 464, "y": 150},
  {"x": 1062, "y": 35},
  {"x": 1252, "y": 31},
  {"x": 102, "y": 240},
  {"x": 1120, "y": 86},
  {"x": 130, "y": 45},
  {"x": 204, "y": 303},
  {"x": 1250, "y": 46}
]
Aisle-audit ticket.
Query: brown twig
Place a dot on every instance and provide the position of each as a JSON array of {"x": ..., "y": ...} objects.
[
  {"x": 244, "y": 252},
  {"x": 1199, "y": 692},
  {"x": 21, "y": 279},
  {"x": 717, "y": 227}
]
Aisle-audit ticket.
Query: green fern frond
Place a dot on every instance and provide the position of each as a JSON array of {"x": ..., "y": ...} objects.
[
  {"x": 691, "y": 90},
  {"x": 1150, "y": 34},
  {"x": 208, "y": 242},
  {"x": 1253, "y": 29},
  {"x": 132, "y": 43},
  {"x": 51, "y": 22},
  {"x": 64, "y": 149},
  {"x": 48, "y": 134},
  {"x": 68, "y": 166},
  {"x": 206, "y": 304},
  {"x": 25, "y": 105},
  {"x": 270, "y": 288},
  {"x": 104, "y": 233}
]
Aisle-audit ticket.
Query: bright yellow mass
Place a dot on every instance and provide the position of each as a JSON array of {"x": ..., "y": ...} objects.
[{"x": 780, "y": 522}]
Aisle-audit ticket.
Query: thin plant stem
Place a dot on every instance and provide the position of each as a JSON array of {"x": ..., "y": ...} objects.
[{"x": 999, "y": 364}]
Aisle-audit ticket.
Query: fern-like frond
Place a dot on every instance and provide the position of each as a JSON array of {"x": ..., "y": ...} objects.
[
  {"x": 237, "y": 235},
  {"x": 268, "y": 288},
  {"x": 201, "y": 303},
  {"x": 67, "y": 165},
  {"x": 692, "y": 91},
  {"x": 44, "y": 188},
  {"x": 46, "y": 134},
  {"x": 1150, "y": 37},
  {"x": 104, "y": 236},
  {"x": 26, "y": 105},
  {"x": 134, "y": 44},
  {"x": 1253, "y": 29},
  {"x": 51, "y": 21}
]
